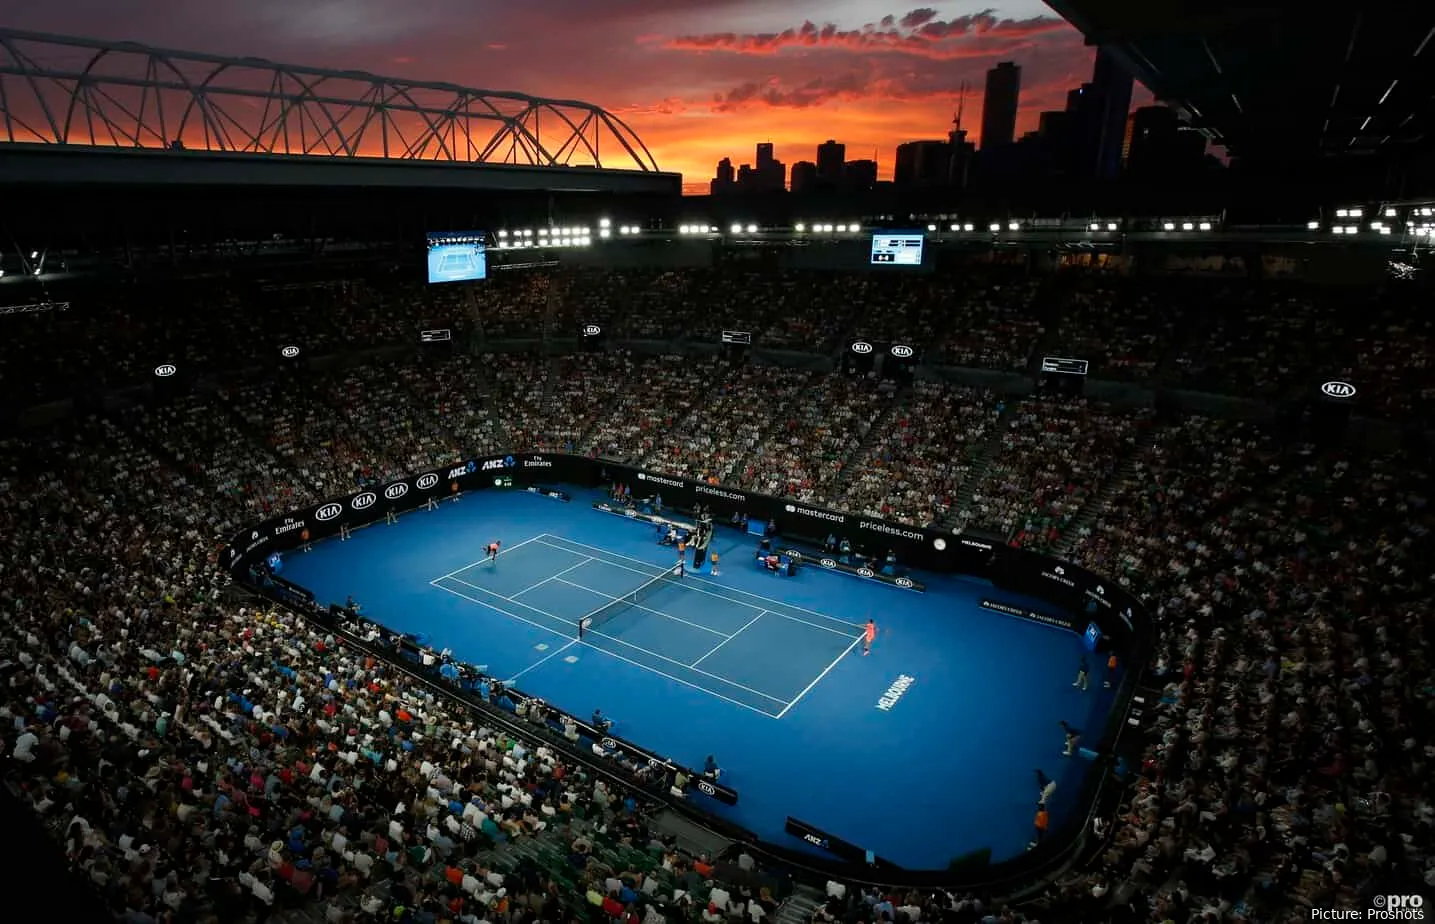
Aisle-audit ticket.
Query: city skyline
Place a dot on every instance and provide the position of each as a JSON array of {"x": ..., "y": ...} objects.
[
  {"x": 698, "y": 80},
  {"x": 1098, "y": 136}
]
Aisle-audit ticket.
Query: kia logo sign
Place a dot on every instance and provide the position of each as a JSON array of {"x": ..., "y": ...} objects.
[
  {"x": 289, "y": 352},
  {"x": 592, "y": 330},
  {"x": 706, "y": 788},
  {"x": 609, "y": 744},
  {"x": 904, "y": 582},
  {"x": 364, "y": 501},
  {"x": 396, "y": 491},
  {"x": 426, "y": 481},
  {"x": 861, "y": 346},
  {"x": 328, "y": 512},
  {"x": 902, "y": 351},
  {"x": 866, "y": 572},
  {"x": 1338, "y": 390},
  {"x": 165, "y": 371},
  {"x": 828, "y": 563}
]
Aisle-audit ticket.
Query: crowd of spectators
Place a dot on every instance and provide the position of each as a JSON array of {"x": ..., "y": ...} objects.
[
  {"x": 996, "y": 326},
  {"x": 1256, "y": 338},
  {"x": 729, "y": 424},
  {"x": 1292, "y": 760},
  {"x": 201, "y": 757},
  {"x": 813, "y": 439},
  {"x": 917, "y": 464},
  {"x": 1124, "y": 331},
  {"x": 1050, "y": 458}
]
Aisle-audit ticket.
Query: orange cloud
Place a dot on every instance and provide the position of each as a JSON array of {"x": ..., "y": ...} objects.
[{"x": 918, "y": 33}]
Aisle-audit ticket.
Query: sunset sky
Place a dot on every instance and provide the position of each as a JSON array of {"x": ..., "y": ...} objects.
[{"x": 697, "y": 80}]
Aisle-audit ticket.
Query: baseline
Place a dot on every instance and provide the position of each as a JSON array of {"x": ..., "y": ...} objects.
[
  {"x": 541, "y": 661},
  {"x": 501, "y": 553},
  {"x": 818, "y": 679}
]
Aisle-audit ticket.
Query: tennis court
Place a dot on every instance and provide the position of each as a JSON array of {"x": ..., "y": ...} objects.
[
  {"x": 750, "y": 651},
  {"x": 945, "y": 720}
]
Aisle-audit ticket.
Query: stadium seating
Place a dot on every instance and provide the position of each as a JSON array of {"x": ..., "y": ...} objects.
[{"x": 194, "y": 755}]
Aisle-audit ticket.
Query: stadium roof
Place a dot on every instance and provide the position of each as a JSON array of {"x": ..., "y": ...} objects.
[{"x": 1272, "y": 78}]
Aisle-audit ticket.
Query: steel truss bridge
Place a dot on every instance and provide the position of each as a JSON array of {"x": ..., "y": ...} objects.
[{"x": 60, "y": 92}]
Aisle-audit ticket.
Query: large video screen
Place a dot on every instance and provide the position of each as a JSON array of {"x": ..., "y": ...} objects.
[
  {"x": 897, "y": 248},
  {"x": 457, "y": 256}
]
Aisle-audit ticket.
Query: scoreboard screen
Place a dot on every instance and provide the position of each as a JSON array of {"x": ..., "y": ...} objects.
[
  {"x": 457, "y": 256},
  {"x": 1064, "y": 366},
  {"x": 897, "y": 249}
]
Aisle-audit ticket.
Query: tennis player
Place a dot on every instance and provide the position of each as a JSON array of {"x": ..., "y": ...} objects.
[
  {"x": 869, "y": 635},
  {"x": 492, "y": 550}
]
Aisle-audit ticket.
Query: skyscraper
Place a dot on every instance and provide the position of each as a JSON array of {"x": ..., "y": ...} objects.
[
  {"x": 770, "y": 174},
  {"x": 923, "y": 164},
  {"x": 725, "y": 180},
  {"x": 830, "y": 158},
  {"x": 1101, "y": 119},
  {"x": 1003, "y": 94},
  {"x": 859, "y": 175},
  {"x": 1161, "y": 146},
  {"x": 804, "y": 176}
]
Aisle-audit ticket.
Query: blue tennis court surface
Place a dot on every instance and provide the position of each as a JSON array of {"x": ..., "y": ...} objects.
[
  {"x": 764, "y": 672},
  {"x": 750, "y": 651}
]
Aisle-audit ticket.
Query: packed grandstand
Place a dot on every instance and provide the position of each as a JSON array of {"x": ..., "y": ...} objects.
[{"x": 200, "y": 757}]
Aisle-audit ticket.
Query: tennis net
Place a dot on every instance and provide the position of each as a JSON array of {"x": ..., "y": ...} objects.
[{"x": 628, "y": 601}]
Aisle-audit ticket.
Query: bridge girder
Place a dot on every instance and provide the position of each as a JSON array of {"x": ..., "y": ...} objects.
[{"x": 128, "y": 95}]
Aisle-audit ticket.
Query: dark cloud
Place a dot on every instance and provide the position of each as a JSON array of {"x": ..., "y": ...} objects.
[{"x": 918, "y": 33}]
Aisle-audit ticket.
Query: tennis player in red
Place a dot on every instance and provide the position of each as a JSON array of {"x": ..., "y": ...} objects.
[
  {"x": 492, "y": 550},
  {"x": 869, "y": 635}
]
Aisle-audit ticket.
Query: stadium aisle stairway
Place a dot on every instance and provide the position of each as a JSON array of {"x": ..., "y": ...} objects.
[
  {"x": 1114, "y": 485},
  {"x": 982, "y": 457}
]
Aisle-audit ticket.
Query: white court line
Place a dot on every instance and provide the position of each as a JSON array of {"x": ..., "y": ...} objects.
[
  {"x": 553, "y": 577},
  {"x": 723, "y": 596},
  {"x": 815, "y": 682},
  {"x": 459, "y": 593},
  {"x": 541, "y": 661},
  {"x": 685, "y": 683},
  {"x": 500, "y": 555},
  {"x": 638, "y": 606},
  {"x": 611, "y": 654},
  {"x": 730, "y": 638},
  {"x": 614, "y": 638}
]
